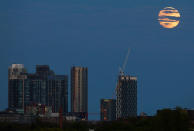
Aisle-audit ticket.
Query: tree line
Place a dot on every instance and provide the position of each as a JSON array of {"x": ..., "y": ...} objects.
[{"x": 165, "y": 120}]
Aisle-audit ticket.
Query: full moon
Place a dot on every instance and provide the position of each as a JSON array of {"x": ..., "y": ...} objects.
[{"x": 169, "y": 17}]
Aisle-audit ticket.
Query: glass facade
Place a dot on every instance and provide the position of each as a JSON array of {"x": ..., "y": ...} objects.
[
  {"x": 18, "y": 87},
  {"x": 58, "y": 93},
  {"x": 42, "y": 87}
]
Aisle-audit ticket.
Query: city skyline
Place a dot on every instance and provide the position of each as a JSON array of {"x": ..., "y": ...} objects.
[
  {"x": 96, "y": 35},
  {"x": 27, "y": 92}
]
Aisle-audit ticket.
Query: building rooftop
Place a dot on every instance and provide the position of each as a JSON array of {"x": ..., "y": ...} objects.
[{"x": 17, "y": 66}]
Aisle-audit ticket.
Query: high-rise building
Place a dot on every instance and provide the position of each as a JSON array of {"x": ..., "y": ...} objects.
[
  {"x": 39, "y": 84},
  {"x": 42, "y": 87},
  {"x": 57, "y": 93},
  {"x": 18, "y": 87},
  {"x": 108, "y": 109},
  {"x": 126, "y": 93},
  {"x": 49, "y": 89},
  {"x": 79, "y": 89}
]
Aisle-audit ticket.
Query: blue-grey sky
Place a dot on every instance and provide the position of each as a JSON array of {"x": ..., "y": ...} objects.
[{"x": 97, "y": 34}]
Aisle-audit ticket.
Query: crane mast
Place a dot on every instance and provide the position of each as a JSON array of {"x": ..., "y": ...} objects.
[{"x": 125, "y": 62}]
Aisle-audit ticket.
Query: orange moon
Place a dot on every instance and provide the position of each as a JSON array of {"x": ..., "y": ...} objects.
[{"x": 169, "y": 17}]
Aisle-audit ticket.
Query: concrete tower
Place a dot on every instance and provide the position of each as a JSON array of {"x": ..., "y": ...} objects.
[{"x": 79, "y": 89}]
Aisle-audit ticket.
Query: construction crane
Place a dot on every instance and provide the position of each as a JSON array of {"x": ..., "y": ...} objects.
[{"x": 121, "y": 70}]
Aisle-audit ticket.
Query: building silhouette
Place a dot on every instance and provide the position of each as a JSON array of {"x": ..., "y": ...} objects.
[
  {"x": 126, "y": 97},
  {"x": 18, "y": 87},
  {"x": 57, "y": 96},
  {"x": 79, "y": 90},
  {"x": 42, "y": 87},
  {"x": 107, "y": 109}
]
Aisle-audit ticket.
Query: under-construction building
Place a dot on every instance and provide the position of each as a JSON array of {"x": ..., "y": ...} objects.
[{"x": 126, "y": 97}]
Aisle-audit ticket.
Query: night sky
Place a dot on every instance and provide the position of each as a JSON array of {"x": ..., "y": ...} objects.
[{"x": 97, "y": 34}]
